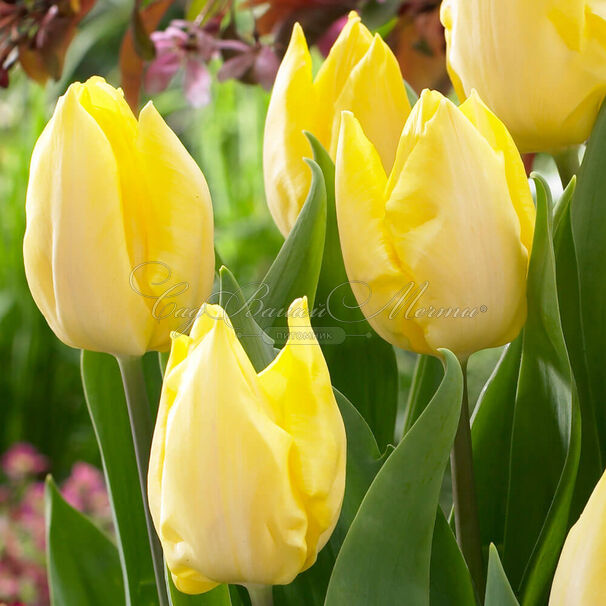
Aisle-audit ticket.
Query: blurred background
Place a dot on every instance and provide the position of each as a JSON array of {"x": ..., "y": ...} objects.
[{"x": 208, "y": 66}]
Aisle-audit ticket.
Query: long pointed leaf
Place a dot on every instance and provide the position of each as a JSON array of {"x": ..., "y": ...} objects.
[
  {"x": 588, "y": 224},
  {"x": 295, "y": 271},
  {"x": 546, "y": 430},
  {"x": 498, "y": 589},
  {"x": 386, "y": 556},
  {"x": 83, "y": 564}
]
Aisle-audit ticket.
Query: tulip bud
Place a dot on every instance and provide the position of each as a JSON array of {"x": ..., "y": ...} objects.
[
  {"x": 119, "y": 241},
  {"x": 361, "y": 75},
  {"x": 540, "y": 65},
  {"x": 437, "y": 254},
  {"x": 580, "y": 577},
  {"x": 247, "y": 470}
]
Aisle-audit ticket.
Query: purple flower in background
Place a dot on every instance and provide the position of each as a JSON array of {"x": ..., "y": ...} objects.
[
  {"x": 325, "y": 43},
  {"x": 182, "y": 45},
  {"x": 249, "y": 63},
  {"x": 85, "y": 490},
  {"x": 23, "y": 460}
]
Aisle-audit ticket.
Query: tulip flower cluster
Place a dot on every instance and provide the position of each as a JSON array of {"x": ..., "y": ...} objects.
[{"x": 260, "y": 457}]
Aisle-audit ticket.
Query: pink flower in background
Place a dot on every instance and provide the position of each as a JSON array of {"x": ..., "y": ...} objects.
[
  {"x": 23, "y": 460},
  {"x": 22, "y": 529},
  {"x": 325, "y": 43},
  {"x": 85, "y": 490},
  {"x": 182, "y": 45},
  {"x": 249, "y": 63}
]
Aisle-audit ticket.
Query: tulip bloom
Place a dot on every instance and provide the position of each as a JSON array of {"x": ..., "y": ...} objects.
[
  {"x": 247, "y": 470},
  {"x": 437, "y": 253},
  {"x": 580, "y": 577},
  {"x": 360, "y": 74},
  {"x": 540, "y": 65},
  {"x": 119, "y": 240}
]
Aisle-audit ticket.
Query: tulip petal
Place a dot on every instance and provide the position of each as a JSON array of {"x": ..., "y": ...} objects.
[
  {"x": 383, "y": 127},
  {"x": 454, "y": 230},
  {"x": 374, "y": 272},
  {"x": 297, "y": 385},
  {"x": 542, "y": 68},
  {"x": 290, "y": 112},
  {"x": 175, "y": 218},
  {"x": 352, "y": 44},
  {"x": 239, "y": 520},
  {"x": 75, "y": 257},
  {"x": 494, "y": 131},
  {"x": 580, "y": 577}
]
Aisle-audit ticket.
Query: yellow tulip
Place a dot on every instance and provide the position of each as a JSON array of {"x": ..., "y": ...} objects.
[
  {"x": 361, "y": 75},
  {"x": 540, "y": 65},
  {"x": 247, "y": 470},
  {"x": 580, "y": 578},
  {"x": 119, "y": 241},
  {"x": 437, "y": 253}
]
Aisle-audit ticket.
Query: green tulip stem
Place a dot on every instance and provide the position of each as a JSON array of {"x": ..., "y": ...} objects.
[
  {"x": 260, "y": 595},
  {"x": 142, "y": 427},
  {"x": 568, "y": 163},
  {"x": 464, "y": 494}
]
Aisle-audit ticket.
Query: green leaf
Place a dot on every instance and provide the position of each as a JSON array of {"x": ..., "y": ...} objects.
[
  {"x": 107, "y": 408},
  {"x": 498, "y": 589},
  {"x": 425, "y": 382},
  {"x": 491, "y": 430},
  {"x": 546, "y": 436},
  {"x": 450, "y": 581},
  {"x": 255, "y": 342},
  {"x": 590, "y": 464},
  {"x": 362, "y": 365},
  {"x": 411, "y": 93},
  {"x": 387, "y": 553},
  {"x": 83, "y": 564},
  {"x": 364, "y": 460},
  {"x": 295, "y": 271},
  {"x": 588, "y": 224}
]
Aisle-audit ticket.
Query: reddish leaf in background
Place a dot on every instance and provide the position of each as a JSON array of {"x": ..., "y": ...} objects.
[
  {"x": 38, "y": 35},
  {"x": 131, "y": 64},
  {"x": 315, "y": 16}
]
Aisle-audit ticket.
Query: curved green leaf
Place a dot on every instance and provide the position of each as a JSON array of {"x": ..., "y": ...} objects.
[
  {"x": 588, "y": 224},
  {"x": 491, "y": 430},
  {"x": 426, "y": 379},
  {"x": 255, "y": 342},
  {"x": 294, "y": 273},
  {"x": 450, "y": 581},
  {"x": 590, "y": 464},
  {"x": 363, "y": 366},
  {"x": 83, "y": 564},
  {"x": 107, "y": 408},
  {"x": 546, "y": 434},
  {"x": 387, "y": 553},
  {"x": 498, "y": 589}
]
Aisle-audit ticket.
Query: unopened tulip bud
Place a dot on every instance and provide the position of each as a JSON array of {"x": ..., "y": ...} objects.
[
  {"x": 247, "y": 469},
  {"x": 540, "y": 65},
  {"x": 361, "y": 75},
  {"x": 437, "y": 252},
  {"x": 119, "y": 241}
]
